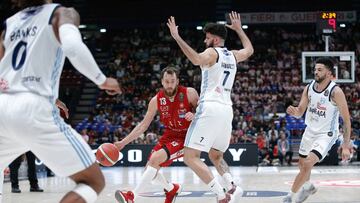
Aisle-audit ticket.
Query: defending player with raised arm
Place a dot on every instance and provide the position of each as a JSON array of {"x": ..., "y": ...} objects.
[
  {"x": 211, "y": 129},
  {"x": 33, "y": 48},
  {"x": 322, "y": 100}
]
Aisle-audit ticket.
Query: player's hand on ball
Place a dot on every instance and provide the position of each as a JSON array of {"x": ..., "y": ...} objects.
[{"x": 189, "y": 116}]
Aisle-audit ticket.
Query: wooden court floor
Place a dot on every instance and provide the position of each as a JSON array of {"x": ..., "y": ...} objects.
[{"x": 337, "y": 184}]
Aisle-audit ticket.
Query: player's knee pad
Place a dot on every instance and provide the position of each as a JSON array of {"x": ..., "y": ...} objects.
[{"x": 86, "y": 192}]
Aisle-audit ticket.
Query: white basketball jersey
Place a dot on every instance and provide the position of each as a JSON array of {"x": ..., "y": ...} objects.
[
  {"x": 33, "y": 58},
  {"x": 322, "y": 115},
  {"x": 217, "y": 80}
]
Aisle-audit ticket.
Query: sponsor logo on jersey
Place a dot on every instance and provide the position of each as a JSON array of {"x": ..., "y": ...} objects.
[
  {"x": 320, "y": 107},
  {"x": 4, "y": 85},
  {"x": 182, "y": 113},
  {"x": 164, "y": 108},
  {"x": 30, "y": 79},
  {"x": 318, "y": 112}
]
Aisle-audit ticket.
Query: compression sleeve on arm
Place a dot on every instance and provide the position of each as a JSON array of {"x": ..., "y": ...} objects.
[{"x": 79, "y": 54}]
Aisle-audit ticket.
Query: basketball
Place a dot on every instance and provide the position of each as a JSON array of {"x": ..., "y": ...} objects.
[{"x": 107, "y": 154}]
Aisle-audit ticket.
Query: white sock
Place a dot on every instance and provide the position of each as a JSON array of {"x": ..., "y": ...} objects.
[
  {"x": 161, "y": 180},
  {"x": 229, "y": 181},
  {"x": 307, "y": 185},
  {"x": 216, "y": 188},
  {"x": 146, "y": 178},
  {"x": 291, "y": 194}
]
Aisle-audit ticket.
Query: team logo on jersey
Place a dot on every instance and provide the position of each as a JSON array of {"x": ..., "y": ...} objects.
[
  {"x": 181, "y": 97},
  {"x": 225, "y": 52},
  {"x": 326, "y": 93},
  {"x": 322, "y": 100}
]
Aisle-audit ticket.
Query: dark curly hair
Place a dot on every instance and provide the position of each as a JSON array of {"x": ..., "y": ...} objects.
[{"x": 216, "y": 29}]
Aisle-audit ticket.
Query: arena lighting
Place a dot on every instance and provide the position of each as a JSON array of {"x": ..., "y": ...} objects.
[
  {"x": 199, "y": 27},
  {"x": 342, "y": 25},
  {"x": 82, "y": 26},
  {"x": 245, "y": 27},
  {"x": 221, "y": 22},
  {"x": 103, "y": 30}
]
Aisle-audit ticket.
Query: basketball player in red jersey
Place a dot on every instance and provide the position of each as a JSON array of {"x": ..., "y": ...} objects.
[{"x": 175, "y": 105}]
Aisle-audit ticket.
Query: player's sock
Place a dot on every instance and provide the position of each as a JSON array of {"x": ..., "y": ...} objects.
[
  {"x": 146, "y": 178},
  {"x": 216, "y": 188},
  {"x": 161, "y": 180},
  {"x": 229, "y": 180},
  {"x": 291, "y": 194},
  {"x": 307, "y": 185}
]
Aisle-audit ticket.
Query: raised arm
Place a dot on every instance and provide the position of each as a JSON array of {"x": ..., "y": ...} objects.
[
  {"x": 207, "y": 57},
  {"x": 142, "y": 126},
  {"x": 248, "y": 50},
  {"x": 301, "y": 108},
  {"x": 65, "y": 25},
  {"x": 339, "y": 98}
]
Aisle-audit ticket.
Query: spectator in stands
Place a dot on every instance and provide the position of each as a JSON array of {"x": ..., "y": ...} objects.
[
  {"x": 284, "y": 149},
  {"x": 272, "y": 148},
  {"x": 84, "y": 135}
]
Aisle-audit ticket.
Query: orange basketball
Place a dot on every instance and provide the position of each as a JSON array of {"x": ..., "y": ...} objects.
[{"x": 107, "y": 154}]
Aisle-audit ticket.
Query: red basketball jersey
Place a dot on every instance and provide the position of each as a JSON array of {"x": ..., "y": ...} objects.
[{"x": 172, "y": 113}]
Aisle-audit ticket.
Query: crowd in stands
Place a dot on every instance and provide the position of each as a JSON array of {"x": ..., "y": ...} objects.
[{"x": 265, "y": 85}]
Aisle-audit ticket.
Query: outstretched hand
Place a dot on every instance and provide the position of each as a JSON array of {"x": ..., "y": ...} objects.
[
  {"x": 235, "y": 21},
  {"x": 173, "y": 27},
  {"x": 111, "y": 86}
]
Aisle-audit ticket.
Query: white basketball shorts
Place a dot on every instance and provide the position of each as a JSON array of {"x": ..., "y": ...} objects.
[
  {"x": 319, "y": 143},
  {"x": 211, "y": 127},
  {"x": 32, "y": 122}
]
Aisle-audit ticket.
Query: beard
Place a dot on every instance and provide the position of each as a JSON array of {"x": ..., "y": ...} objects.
[
  {"x": 211, "y": 44},
  {"x": 170, "y": 92},
  {"x": 319, "y": 79}
]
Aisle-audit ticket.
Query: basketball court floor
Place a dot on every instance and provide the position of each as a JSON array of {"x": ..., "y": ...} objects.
[{"x": 337, "y": 184}]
